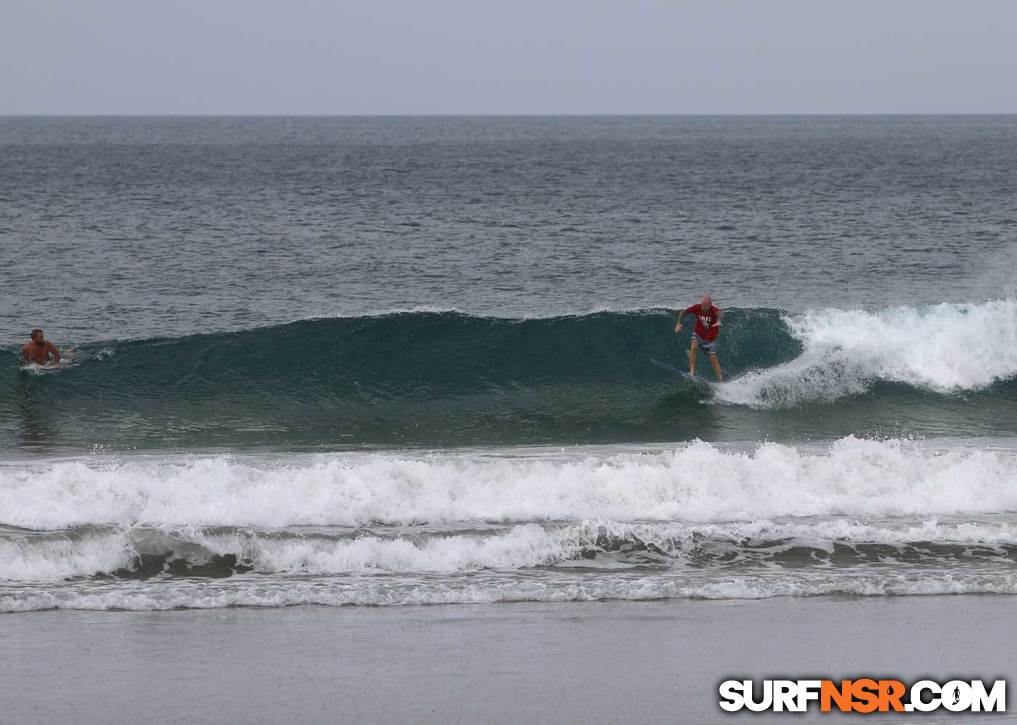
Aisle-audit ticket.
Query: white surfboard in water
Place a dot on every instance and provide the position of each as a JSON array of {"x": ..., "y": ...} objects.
[{"x": 683, "y": 373}]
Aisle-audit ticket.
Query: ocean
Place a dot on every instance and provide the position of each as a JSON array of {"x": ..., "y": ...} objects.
[{"x": 405, "y": 361}]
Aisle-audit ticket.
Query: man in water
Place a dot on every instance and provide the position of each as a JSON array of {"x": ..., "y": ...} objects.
[
  {"x": 705, "y": 333},
  {"x": 39, "y": 350}
]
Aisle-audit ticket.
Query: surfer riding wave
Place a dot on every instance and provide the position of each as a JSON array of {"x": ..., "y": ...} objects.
[{"x": 704, "y": 335}]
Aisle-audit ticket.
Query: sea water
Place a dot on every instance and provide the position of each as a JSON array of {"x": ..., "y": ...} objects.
[{"x": 384, "y": 361}]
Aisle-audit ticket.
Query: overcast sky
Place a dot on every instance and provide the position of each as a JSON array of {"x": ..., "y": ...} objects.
[{"x": 507, "y": 56}]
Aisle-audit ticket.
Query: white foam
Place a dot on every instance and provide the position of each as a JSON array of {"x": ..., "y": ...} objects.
[
  {"x": 42, "y": 559},
  {"x": 54, "y": 560},
  {"x": 696, "y": 482},
  {"x": 945, "y": 348},
  {"x": 378, "y": 591},
  {"x": 530, "y": 545}
]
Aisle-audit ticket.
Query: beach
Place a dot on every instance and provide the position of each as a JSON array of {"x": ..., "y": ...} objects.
[{"x": 605, "y": 662}]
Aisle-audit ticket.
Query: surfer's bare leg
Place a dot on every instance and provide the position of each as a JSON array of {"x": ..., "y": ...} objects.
[
  {"x": 716, "y": 367},
  {"x": 692, "y": 357}
]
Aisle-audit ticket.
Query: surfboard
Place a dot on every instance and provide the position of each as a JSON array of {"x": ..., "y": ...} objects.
[{"x": 679, "y": 372}]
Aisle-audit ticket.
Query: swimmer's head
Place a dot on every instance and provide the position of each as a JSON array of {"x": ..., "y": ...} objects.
[{"x": 37, "y": 337}]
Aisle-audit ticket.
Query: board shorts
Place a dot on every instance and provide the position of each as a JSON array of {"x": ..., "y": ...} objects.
[{"x": 707, "y": 346}]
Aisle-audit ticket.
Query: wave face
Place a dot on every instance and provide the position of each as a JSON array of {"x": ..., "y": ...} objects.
[
  {"x": 449, "y": 379},
  {"x": 706, "y": 521}
]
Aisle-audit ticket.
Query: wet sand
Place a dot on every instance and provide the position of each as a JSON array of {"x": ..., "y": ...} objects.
[{"x": 625, "y": 662}]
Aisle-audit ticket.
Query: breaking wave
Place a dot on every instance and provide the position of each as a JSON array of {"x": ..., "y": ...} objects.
[
  {"x": 695, "y": 482},
  {"x": 450, "y": 379}
]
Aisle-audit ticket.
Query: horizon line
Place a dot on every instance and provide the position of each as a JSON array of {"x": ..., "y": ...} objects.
[{"x": 512, "y": 115}]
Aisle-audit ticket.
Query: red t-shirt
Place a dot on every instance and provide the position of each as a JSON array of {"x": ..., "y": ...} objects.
[{"x": 705, "y": 320}]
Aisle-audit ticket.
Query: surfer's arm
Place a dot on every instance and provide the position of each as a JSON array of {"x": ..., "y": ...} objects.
[
  {"x": 681, "y": 316},
  {"x": 720, "y": 316},
  {"x": 52, "y": 349}
]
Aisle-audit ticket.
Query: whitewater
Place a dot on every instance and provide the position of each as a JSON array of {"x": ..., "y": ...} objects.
[
  {"x": 701, "y": 520},
  {"x": 696, "y": 482},
  {"x": 943, "y": 349}
]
